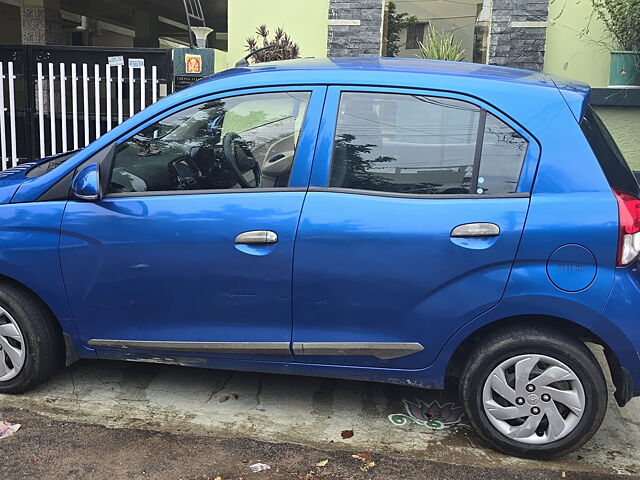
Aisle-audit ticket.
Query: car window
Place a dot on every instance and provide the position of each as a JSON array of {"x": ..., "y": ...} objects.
[
  {"x": 416, "y": 144},
  {"x": 246, "y": 141}
]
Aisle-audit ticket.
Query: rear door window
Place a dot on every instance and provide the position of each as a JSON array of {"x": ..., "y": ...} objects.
[{"x": 416, "y": 144}]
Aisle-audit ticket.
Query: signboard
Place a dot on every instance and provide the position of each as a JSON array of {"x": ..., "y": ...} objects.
[
  {"x": 192, "y": 63},
  {"x": 136, "y": 63},
  {"x": 115, "y": 61}
]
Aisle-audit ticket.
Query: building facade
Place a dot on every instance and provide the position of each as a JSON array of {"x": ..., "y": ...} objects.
[{"x": 561, "y": 38}]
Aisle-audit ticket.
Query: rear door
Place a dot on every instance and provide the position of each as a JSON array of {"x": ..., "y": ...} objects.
[{"x": 410, "y": 227}]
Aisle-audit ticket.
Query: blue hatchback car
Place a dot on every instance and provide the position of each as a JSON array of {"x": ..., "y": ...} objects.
[{"x": 404, "y": 221}]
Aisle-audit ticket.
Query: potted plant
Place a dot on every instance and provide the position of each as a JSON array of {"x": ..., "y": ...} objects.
[
  {"x": 281, "y": 47},
  {"x": 441, "y": 46},
  {"x": 622, "y": 19}
]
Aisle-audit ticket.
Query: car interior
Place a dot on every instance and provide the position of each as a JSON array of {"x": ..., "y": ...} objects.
[{"x": 241, "y": 142}]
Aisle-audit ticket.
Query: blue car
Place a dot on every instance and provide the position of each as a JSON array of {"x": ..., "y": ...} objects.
[{"x": 414, "y": 222}]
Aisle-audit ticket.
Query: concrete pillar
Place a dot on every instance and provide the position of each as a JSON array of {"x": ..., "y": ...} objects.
[
  {"x": 146, "y": 26},
  {"x": 518, "y": 33},
  {"x": 355, "y": 28},
  {"x": 41, "y": 22}
]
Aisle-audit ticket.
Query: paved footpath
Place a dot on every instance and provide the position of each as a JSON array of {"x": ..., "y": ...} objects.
[{"x": 343, "y": 417}]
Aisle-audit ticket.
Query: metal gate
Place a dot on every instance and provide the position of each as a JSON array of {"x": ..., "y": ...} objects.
[{"x": 57, "y": 99}]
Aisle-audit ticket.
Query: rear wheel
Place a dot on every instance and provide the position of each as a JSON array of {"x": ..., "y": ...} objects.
[
  {"x": 534, "y": 393},
  {"x": 30, "y": 342}
]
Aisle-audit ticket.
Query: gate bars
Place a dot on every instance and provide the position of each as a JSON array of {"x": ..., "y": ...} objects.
[
  {"x": 55, "y": 99},
  {"x": 57, "y": 82},
  {"x": 9, "y": 78}
]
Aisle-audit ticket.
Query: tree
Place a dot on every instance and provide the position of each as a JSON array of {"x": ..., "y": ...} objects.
[{"x": 395, "y": 22}]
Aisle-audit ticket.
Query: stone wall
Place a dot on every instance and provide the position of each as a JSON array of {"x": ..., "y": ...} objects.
[
  {"x": 355, "y": 28},
  {"x": 518, "y": 33}
]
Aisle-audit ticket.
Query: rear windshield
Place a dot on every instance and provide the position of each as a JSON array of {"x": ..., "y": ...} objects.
[{"x": 609, "y": 156}]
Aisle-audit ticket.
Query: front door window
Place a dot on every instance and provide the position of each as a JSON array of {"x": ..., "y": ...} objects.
[{"x": 246, "y": 141}]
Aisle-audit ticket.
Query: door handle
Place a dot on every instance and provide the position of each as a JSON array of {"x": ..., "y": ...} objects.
[
  {"x": 256, "y": 237},
  {"x": 481, "y": 229}
]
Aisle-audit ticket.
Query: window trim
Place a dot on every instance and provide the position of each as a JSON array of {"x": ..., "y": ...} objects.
[
  {"x": 306, "y": 139},
  {"x": 323, "y": 155},
  {"x": 379, "y": 193}
]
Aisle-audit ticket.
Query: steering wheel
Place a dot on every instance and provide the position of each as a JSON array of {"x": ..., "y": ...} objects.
[{"x": 241, "y": 159}]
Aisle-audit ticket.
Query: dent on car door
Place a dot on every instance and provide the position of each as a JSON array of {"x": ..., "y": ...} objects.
[
  {"x": 191, "y": 250},
  {"x": 410, "y": 229}
]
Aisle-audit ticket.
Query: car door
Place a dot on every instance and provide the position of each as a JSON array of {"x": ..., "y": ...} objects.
[
  {"x": 191, "y": 248},
  {"x": 410, "y": 227}
]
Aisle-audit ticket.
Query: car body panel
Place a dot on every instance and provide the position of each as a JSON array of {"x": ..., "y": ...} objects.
[{"x": 571, "y": 203}]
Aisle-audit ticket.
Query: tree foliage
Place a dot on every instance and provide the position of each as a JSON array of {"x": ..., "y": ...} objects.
[
  {"x": 622, "y": 20},
  {"x": 395, "y": 23}
]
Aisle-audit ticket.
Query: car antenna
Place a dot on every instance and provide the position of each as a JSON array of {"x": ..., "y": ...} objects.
[{"x": 244, "y": 62}]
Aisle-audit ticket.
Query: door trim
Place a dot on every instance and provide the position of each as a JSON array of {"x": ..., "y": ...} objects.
[
  {"x": 380, "y": 350},
  {"x": 251, "y": 348}
]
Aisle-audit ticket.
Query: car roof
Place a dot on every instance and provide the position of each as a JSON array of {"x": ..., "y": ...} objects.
[
  {"x": 347, "y": 66},
  {"x": 403, "y": 72}
]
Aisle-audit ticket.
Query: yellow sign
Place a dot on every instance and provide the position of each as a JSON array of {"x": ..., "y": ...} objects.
[{"x": 192, "y": 63}]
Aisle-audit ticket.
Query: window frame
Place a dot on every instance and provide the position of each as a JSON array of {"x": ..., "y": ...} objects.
[
  {"x": 410, "y": 42},
  {"x": 323, "y": 156},
  {"x": 302, "y": 161}
]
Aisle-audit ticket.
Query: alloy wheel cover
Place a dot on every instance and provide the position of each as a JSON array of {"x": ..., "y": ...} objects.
[
  {"x": 12, "y": 347},
  {"x": 533, "y": 399}
]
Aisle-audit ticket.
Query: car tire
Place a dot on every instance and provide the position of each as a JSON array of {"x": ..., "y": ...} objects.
[
  {"x": 31, "y": 347},
  {"x": 542, "y": 357}
]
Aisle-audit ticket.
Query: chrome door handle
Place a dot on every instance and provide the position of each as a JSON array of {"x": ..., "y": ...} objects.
[
  {"x": 482, "y": 229},
  {"x": 256, "y": 237}
]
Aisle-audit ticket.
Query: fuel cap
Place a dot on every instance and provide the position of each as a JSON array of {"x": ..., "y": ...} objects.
[{"x": 571, "y": 267}]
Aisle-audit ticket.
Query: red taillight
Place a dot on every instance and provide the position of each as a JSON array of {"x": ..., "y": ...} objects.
[{"x": 629, "y": 227}]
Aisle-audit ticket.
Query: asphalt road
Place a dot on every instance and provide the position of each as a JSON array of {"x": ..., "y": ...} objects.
[
  {"x": 223, "y": 421},
  {"x": 47, "y": 449}
]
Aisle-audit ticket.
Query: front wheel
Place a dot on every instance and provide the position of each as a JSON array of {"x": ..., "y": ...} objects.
[
  {"x": 30, "y": 342},
  {"x": 533, "y": 393}
]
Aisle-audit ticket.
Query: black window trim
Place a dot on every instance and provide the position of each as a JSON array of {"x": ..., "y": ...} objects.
[
  {"x": 530, "y": 139},
  {"x": 377, "y": 193}
]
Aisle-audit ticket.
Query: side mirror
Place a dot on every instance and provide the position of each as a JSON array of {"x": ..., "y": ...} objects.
[{"x": 86, "y": 184}]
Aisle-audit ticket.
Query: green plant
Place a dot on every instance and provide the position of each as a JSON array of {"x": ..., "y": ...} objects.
[
  {"x": 441, "y": 46},
  {"x": 282, "y": 47},
  {"x": 395, "y": 22},
  {"x": 622, "y": 20}
]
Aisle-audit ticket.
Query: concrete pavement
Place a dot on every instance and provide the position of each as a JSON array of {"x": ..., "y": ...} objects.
[{"x": 394, "y": 420}]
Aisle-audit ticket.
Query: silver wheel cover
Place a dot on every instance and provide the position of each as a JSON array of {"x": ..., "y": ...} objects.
[
  {"x": 533, "y": 399},
  {"x": 12, "y": 347}
]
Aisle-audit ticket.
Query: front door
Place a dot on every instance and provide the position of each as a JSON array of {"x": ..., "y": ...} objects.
[
  {"x": 191, "y": 250},
  {"x": 410, "y": 226}
]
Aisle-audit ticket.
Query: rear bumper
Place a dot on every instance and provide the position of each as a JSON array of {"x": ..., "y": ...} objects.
[{"x": 619, "y": 327}]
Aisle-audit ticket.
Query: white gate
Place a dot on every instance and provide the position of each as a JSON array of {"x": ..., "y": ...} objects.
[
  {"x": 92, "y": 89},
  {"x": 8, "y": 141},
  {"x": 54, "y": 99}
]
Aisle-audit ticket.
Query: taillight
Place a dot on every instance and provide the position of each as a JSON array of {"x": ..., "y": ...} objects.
[{"x": 629, "y": 227}]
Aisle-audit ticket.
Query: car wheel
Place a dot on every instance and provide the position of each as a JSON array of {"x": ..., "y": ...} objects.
[
  {"x": 533, "y": 393},
  {"x": 30, "y": 342}
]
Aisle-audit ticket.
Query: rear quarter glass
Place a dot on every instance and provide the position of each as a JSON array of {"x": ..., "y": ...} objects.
[{"x": 613, "y": 164}]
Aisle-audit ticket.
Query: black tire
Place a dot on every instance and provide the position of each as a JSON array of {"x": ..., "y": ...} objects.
[
  {"x": 42, "y": 335},
  {"x": 522, "y": 340}
]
